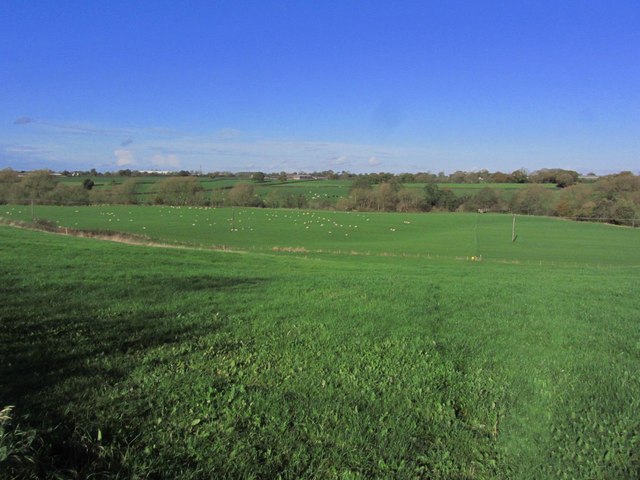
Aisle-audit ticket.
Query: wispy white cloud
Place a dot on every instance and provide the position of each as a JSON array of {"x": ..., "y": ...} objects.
[
  {"x": 27, "y": 149},
  {"x": 339, "y": 161},
  {"x": 165, "y": 161},
  {"x": 83, "y": 128},
  {"x": 281, "y": 155},
  {"x": 70, "y": 128},
  {"x": 28, "y": 157},
  {"x": 124, "y": 157},
  {"x": 225, "y": 149}
]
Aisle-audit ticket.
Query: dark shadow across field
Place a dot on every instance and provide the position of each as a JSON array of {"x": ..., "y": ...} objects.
[{"x": 65, "y": 344}]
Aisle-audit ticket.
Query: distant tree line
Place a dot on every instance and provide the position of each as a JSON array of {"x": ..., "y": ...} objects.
[
  {"x": 611, "y": 198},
  {"x": 558, "y": 176},
  {"x": 42, "y": 187}
]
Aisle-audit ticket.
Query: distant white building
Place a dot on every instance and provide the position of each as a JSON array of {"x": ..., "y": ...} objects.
[
  {"x": 300, "y": 176},
  {"x": 588, "y": 178},
  {"x": 155, "y": 172}
]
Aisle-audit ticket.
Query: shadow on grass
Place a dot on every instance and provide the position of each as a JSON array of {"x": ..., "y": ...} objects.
[{"x": 60, "y": 349}]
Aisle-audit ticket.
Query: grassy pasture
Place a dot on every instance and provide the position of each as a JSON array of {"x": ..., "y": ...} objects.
[
  {"x": 172, "y": 363},
  {"x": 328, "y": 190},
  {"x": 545, "y": 241}
]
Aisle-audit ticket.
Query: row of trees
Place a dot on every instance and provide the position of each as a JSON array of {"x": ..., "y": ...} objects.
[
  {"x": 560, "y": 177},
  {"x": 557, "y": 176},
  {"x": 41, "y": 186},
  {"x": 614, "y": 198}
]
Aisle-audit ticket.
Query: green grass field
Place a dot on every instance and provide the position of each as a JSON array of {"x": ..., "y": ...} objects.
[
  {"x": 546, "y": 241},
  {"x": 365, "y": 346}
]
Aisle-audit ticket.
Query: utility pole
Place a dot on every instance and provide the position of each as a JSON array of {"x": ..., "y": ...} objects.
[
  {"x": 475, "y": 231},
  {"x": 233, "y": 219},
  {"x": 513, "y": 229}
]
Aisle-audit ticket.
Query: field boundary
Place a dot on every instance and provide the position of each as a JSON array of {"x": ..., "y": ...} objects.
[
  {"x": 114, "y": 236},
  {"x": 144, "y": 241},
  {"x": 46, "y": 226}
]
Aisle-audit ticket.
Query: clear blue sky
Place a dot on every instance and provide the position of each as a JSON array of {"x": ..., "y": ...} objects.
[{"x": 345, "y": 85}]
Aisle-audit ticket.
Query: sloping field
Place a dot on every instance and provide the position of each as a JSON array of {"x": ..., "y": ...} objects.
[
  {"x": 539, "y": 240},
  {"x": 405, "y": 360}
]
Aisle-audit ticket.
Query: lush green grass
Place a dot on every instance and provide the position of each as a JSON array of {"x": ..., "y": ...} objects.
[
  {"x": 326, "y": 190},
  {"x": 546, "y": 241},
  {"x": 174, "y": 363}
]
